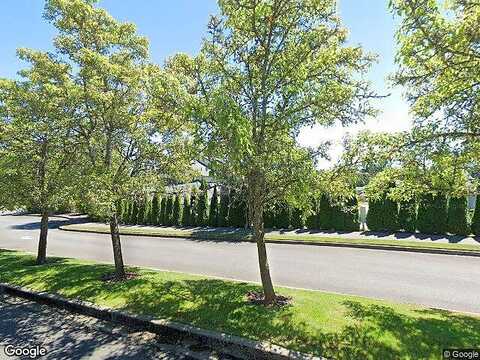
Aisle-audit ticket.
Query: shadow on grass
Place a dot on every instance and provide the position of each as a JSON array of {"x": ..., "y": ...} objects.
[{"x": 371, "y": 331}]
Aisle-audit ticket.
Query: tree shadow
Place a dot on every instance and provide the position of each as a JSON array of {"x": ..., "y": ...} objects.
[
  {"x": 66, "y": 335},
  {"x": 52, "y": 224},
  {"x": 369, "y": 331}
]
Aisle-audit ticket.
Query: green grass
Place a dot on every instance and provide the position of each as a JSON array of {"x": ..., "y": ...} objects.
[
  {"x": 242, "y": 235},
  {"x": 336, "y": 326}
]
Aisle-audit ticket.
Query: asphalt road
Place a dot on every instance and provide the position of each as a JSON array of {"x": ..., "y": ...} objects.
[
  {"x": 442, "y": 281},
  {"x": 68, "y": 336}
]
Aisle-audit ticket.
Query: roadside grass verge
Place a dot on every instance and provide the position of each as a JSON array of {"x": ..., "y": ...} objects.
[
  {"x": 332, "y": 325},
  {"x": 227, "y": 234}
]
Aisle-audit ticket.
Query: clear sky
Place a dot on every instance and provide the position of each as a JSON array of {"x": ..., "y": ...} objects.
[{"x": 179, "y": 25}]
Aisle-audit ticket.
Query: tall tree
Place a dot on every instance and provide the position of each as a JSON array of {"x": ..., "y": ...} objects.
[
  {"x": 439, "y": 66},
  {"x": 37, "y": 139},
  {"x": 267, "y": 69},
  {"x": 129, "y": 115}
]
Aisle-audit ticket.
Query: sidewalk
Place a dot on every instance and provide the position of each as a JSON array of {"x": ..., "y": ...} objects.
[{"x": 355, "y": 239}]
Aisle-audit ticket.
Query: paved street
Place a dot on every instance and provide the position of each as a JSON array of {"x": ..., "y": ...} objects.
[
  {"x": 69, "y": 336},
  {"x": 444, "y": 281}
]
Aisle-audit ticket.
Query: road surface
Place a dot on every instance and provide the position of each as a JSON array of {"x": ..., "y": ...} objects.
[{"x": 441, "y": 281}]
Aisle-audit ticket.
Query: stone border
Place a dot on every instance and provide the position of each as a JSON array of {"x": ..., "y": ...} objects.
[
  {"x": 230, "y": 344},
  {"x": 303, "y": 242}
]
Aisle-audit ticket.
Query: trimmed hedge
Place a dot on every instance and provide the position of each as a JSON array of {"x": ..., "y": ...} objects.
[
  {"x": 475, "y": 228},
  {"x": 407, "y": 216},
  {"x": 432, "y": 214},
  {"x": 382, "y": 215},
  {"x": 458, "y": 216},
  {"x": 223, "y": 215},
  {"x": 213, "y": 214},
  {"x": 155, "y": 211}
]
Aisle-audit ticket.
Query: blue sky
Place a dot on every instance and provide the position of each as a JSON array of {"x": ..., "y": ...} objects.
[{"x": 179, "y": 25}]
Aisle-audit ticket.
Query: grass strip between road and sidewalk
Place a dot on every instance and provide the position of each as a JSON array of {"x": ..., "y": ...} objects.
[
  {"x": 242, "y": 235},
  {"x": 332, "y": 325}
]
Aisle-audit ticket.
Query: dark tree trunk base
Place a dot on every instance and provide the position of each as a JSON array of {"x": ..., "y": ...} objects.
[
  {"x": 258, "y": 298},
  {"x": 113, "y": 277}
]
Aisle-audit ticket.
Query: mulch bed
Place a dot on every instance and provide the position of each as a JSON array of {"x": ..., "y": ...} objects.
[
  {"x": 257, "y": 298},
  {"x": 112, "y": 278}
]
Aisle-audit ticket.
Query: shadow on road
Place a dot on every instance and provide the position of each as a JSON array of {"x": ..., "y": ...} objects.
[{"x": 52, "y": 224}]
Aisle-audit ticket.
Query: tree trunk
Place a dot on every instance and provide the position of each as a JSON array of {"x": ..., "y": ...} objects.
[
  {"x": 117, "y": 247},
  {"x": 257, "y": 207},
  {"x": 42, "y": 242}
]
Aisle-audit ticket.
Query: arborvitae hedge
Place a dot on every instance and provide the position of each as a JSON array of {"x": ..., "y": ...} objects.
[
  {"x": 224, "y": 208},
  {"x": 269, "y": 218},
  {"x": 141, "y": 212},
  {"x": 186, "y": 221},
  {"x": 311, "y": 221},
  {"x": 155, "y": 210},
  {"x": 213, "y": 214},
  {"x": 163, "y": 211},
  {"x": 390, "y": 215},
  {"x": 407, "y": 216},
  {"x": 382, "y": 215},
  {"x": 134, "y": 217},
  {"x": 350, "y": 215},
  {"x": 475, "y": 228},
  {"x": 177, "y": 211},
  {"x": 457, "y": 216},
  {"x": 193, "y": 207},
  {"x": 238, "y": 209},
  {"x": 127, "y": 218},
  {"x": 297, "y": 221},
  {"x": 432, "y": 214},
  {"x": 325, "y": 213},
  {"x": 202, "y": 208},
  {"x": 374, "y": 215},
  {"x": 282, "y": 216},
  {"x": 169, "y": 211}
]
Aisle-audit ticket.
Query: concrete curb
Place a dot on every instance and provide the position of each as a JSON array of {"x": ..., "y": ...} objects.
[
  {"x": 230, "y": 344},
  {"x": 303, "y": 242}
]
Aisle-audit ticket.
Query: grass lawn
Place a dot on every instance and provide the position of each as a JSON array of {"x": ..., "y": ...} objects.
[
  {"x": 335, "y": 326},
  {"x": 242, "y": 235}
]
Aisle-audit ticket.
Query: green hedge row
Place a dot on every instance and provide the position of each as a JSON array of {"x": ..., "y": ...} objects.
[
  {"x": 193, "y": 209},
  {"x": 230, "y": 209},
  {"x": 429, "y": 215}
]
